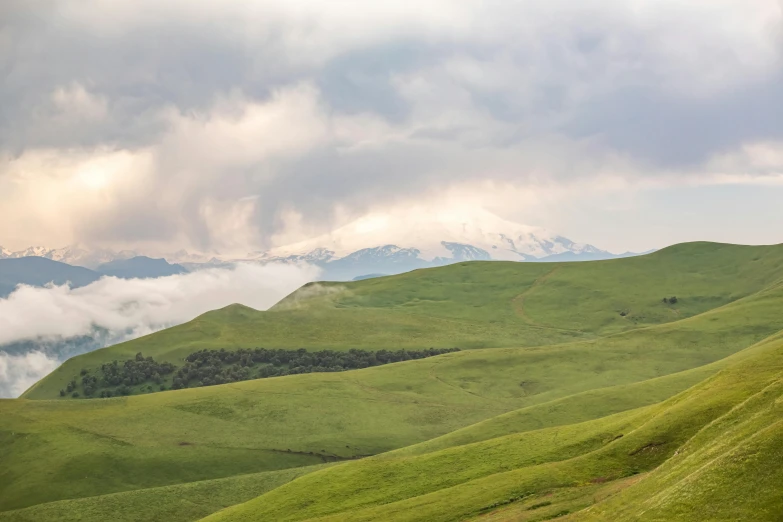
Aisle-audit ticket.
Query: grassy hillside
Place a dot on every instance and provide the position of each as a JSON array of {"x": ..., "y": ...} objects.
[
  {"x": 468, "y": 305},
  {"x": 716, "y": 441},
  {"x": 176, "y": 503},
  {"x": 569, "y": 406}
]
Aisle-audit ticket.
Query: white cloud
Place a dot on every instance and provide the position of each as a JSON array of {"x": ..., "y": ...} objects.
[
  {"x": 194, "y": 182},
  {"x": 74, "y": 103},
  {"x": 237, "y": 132},
  {"x": 130, "y": 308},
  {"x": 758, "y": 162},
  {"x": 53, "y": 193},
  {"x": 142, "y": 305},
  {"x": 19, "y": 372}
]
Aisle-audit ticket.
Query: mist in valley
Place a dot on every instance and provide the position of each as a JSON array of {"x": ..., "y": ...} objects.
[{"x": 42, "y": 327}]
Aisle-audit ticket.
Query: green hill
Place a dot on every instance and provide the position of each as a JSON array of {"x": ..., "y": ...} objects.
[
  {"x": 710, "y": 452},
  {"x": 583, "y": 395},
  {"x": 468, "y": 305}
]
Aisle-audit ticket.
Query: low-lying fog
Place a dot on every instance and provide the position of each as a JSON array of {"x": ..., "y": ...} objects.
[{"x": 41, "y": 327}]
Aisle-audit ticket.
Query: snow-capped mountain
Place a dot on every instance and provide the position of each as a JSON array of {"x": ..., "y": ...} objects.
[
  {"x": 394, "y": 243},
  {"x": 183, "y": 256},
  {"x": 78, "y": 255},
  {"x": 72, "y": 255},
  {"x": 438, "y": 235}
]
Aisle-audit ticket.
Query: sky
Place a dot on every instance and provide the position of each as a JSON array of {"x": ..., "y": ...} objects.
[{"x": 238, "y": 126}]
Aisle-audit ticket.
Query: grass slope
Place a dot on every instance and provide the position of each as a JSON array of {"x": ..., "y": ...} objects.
[
  {"x": 469, "y": 305},
  {"x": 68, "y": 449},
  {"x": 177, "y": 503},
  {"x": 714, "y": 442},
  {"x": 515, "y": 430}
]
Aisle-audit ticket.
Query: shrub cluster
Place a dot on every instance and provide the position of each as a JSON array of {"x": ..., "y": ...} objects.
[{"x": 135, "y": 371}]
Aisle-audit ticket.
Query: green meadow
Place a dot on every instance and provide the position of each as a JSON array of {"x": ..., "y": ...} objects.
[{"x": 578, "y": 394}]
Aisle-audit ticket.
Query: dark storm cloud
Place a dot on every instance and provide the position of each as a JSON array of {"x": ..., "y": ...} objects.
[
  {"x": 362, "y": 80},
  {"x": 672, "y": 131}
]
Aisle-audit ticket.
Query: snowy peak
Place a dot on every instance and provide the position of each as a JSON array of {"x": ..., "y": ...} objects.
[
  {"x": 183, "y": 256},
  {"x": 418, "y": 238},
  {"x": 388, "y": 252},
  {"x": 72, "y": 255},
  {"x": 34, "y": 251},
  {"x": 320, "y": 255},
  {"x": 384, "y": 251},
  {"x": 436, "y": 234},
  {"x": 462, "y": 252},
  {"x": 316, "y": 257}
]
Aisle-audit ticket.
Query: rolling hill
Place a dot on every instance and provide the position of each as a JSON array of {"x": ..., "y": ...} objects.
[
  {"x": 578, "y": 393},
  {"x": 468, "y": 305}
]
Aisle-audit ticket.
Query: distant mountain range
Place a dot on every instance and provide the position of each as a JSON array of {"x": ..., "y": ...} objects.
[
  {"x": 140, "y": 267},
  {"x": 72, "y": 255},
  {"x": 40, "y": 271},
  {"x": 374, "y": 244}
]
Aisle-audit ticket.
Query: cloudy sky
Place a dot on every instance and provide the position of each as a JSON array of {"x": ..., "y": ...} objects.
[{"x": 629, "y": 124}]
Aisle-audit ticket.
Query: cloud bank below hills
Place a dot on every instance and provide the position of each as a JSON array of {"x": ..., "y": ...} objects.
[{"x": 125, "y": 309}]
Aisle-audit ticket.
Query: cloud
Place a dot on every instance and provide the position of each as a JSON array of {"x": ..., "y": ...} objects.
[
  {"x": 19, "y": 372},
  {"x": 119, "y": 309},
  {"x": 219, "y": 121},
  {"x": 140, "y": 306}
]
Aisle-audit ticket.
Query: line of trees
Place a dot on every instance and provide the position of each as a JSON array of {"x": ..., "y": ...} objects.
[
  {"x": 123, "y": 375},
  {"x": 210, "y": 367}
]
